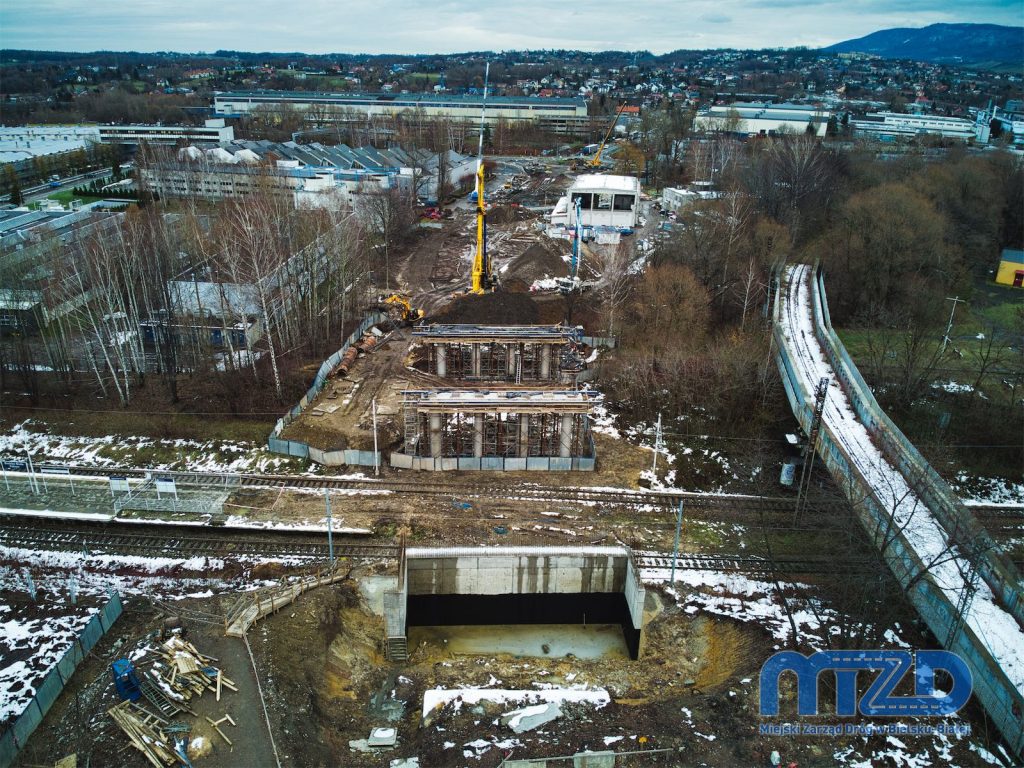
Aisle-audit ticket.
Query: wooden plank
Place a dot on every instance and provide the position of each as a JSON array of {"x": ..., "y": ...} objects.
[{"x": 219, "y": 675}]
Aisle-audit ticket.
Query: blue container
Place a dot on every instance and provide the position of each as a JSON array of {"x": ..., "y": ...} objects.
[{"x": 125, "y": 681}]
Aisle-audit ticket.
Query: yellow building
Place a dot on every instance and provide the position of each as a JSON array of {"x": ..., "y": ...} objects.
[{"x": 1011, "y": 268}]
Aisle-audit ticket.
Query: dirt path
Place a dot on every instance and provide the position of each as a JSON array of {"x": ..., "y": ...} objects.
[{"x": 251, "y": 746}]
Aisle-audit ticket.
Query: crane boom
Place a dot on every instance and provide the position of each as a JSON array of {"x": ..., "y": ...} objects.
[
  {"x": 597, "y": 156},
  {"x": 481, "y": 279}
]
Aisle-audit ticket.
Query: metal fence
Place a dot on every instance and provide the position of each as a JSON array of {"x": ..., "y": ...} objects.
[
  {"x": 15, "y": 737},
  {"x": 302, "y": 450}
]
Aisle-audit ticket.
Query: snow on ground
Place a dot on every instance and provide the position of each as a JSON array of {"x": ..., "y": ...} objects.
[
  {"x": 117, "y": 450},
  {"x": 750, "y": 600},
  {"x": 34, "y": 636},
  {"x": 601, "y": 421},
  {"x": 991, "y": 624},
  {"x": 163, "y": 578},
  {"x": 441, "y": 697},
  {"x": 988, "y": 490}
]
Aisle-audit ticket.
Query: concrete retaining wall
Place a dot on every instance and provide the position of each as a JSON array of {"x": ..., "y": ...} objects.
[{"x": 506, "y": 571}]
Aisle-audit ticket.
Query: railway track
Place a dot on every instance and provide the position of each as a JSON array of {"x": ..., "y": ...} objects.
[
  {"x": 757, "y": 565},
  {"x": 187, "y": 541},
  {"x": 183, "y": 541},
  {"x": 578, "y": 494}
]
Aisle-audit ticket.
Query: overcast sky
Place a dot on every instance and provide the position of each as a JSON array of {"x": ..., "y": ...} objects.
[{"x": 446, "y": 26}]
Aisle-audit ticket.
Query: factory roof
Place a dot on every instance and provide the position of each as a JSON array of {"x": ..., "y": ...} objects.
[{"x": 384, "y": 98}]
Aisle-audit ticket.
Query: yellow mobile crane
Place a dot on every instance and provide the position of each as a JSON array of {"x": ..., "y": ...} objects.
[
  {"x": 483, "y": 280},
  {"x": 596, "y": 162}
]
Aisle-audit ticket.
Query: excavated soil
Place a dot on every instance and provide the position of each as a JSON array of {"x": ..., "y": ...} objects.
[{"x": 498, "y": 308}]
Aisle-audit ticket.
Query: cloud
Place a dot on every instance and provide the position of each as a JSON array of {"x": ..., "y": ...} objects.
[{"x": 448, "y": 26}]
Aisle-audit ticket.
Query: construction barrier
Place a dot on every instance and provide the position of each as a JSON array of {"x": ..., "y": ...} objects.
[
  {"x": 302, "y": 450},
  {"x": 15, "y": 737}
]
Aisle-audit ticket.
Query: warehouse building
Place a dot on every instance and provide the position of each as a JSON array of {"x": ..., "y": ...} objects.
[
  {"x": 892, "y": 125},
  {"x": 559, "y": 115},
  {"x": 763, "y": 119}
]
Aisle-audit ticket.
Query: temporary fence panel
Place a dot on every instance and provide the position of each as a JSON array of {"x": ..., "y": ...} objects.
[{"x": 53, "y": 684}]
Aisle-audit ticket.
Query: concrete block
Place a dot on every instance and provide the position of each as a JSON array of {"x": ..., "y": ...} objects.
[
  {"x": 382, "y": 737},
  {"x": 532, "y": 717},
  {"x": 593, "y": 760}
]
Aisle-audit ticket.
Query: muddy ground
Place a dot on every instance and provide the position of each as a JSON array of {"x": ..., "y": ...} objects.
[{"x": 694, "y": 691}]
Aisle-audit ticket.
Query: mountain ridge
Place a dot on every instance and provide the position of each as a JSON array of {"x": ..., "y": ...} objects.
[{"x": 966, "y": 43}]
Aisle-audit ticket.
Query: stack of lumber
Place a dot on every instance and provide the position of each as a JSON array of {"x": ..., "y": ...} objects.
[
  {"x": 145, "y": 731},
  {"x": 185, "y": 672}
]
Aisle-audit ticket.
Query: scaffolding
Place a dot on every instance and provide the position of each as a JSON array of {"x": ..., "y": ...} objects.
[
  {"x": 472, "y": 428},
  {"x": 503, "y": 353}
]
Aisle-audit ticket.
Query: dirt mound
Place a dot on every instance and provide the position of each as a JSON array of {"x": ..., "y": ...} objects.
[
  {"x": 542, "y": 259},
  {"x": 498, "y": 308},
  {"x": 507, "y": 214}
]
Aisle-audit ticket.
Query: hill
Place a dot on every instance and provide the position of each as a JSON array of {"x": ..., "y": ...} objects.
[{"x": 968, "y": 43}]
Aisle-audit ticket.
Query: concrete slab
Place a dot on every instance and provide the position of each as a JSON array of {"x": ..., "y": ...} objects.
[
  {"x": 532, "y": 717},
  {"x": 593, "y": 760},
  {"x": 382, "y": 737}
]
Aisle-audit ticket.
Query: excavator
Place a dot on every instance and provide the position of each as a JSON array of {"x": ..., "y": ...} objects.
[
  {"x": 483, "y": 279},
  {"x": 398, "y": 308}
]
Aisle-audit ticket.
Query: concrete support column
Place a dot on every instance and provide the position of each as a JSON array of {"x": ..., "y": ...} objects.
[
  {"x": 475, "y": 356},
  {"x": 510, "y": 361},
  {"x": 524, "y": 434},
  {"x": 478, "y": 435},
  {"x": 441, "y": 357},
  {"x": 565, "y": 436},
  {"x": 435, "y": 435},
  {"x": 545, "y": 361}
]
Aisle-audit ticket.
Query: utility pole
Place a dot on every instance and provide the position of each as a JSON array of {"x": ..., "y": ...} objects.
[
  {"x": 820, "y": 393},
  {"x": 376, "y": 455},
  {"x": 330, "y": 526},
  {"x": 949, "y": 326},
  {"x": 657, "y": 446},
  {"x": 32, "y": 475},
  {"x": 675, "y": 548}
]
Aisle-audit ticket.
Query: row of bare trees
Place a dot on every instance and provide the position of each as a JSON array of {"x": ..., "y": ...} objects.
[{"x": 203, "y": 289}]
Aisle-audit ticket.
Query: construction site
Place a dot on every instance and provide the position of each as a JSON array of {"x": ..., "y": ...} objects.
[{"x": 407, "y": 600}]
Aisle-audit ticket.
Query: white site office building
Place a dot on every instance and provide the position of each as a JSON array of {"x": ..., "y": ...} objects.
[{"x": 605, "y": 201}]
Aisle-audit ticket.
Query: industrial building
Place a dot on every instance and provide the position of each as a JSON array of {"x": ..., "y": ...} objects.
[
  {"x": 542, "y": 354},
  {"x": 560, "y": 115},
  {"x": 763, "y": 119},
  {"x": 891, "y": 125},
  {"x": 1011, "y": 268},
  {"x": 605, "y": 201},
  {"x": 315, "y": 175},
  {"x": 504, "y": 429},
  {"x": 213, "y": 131}
]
